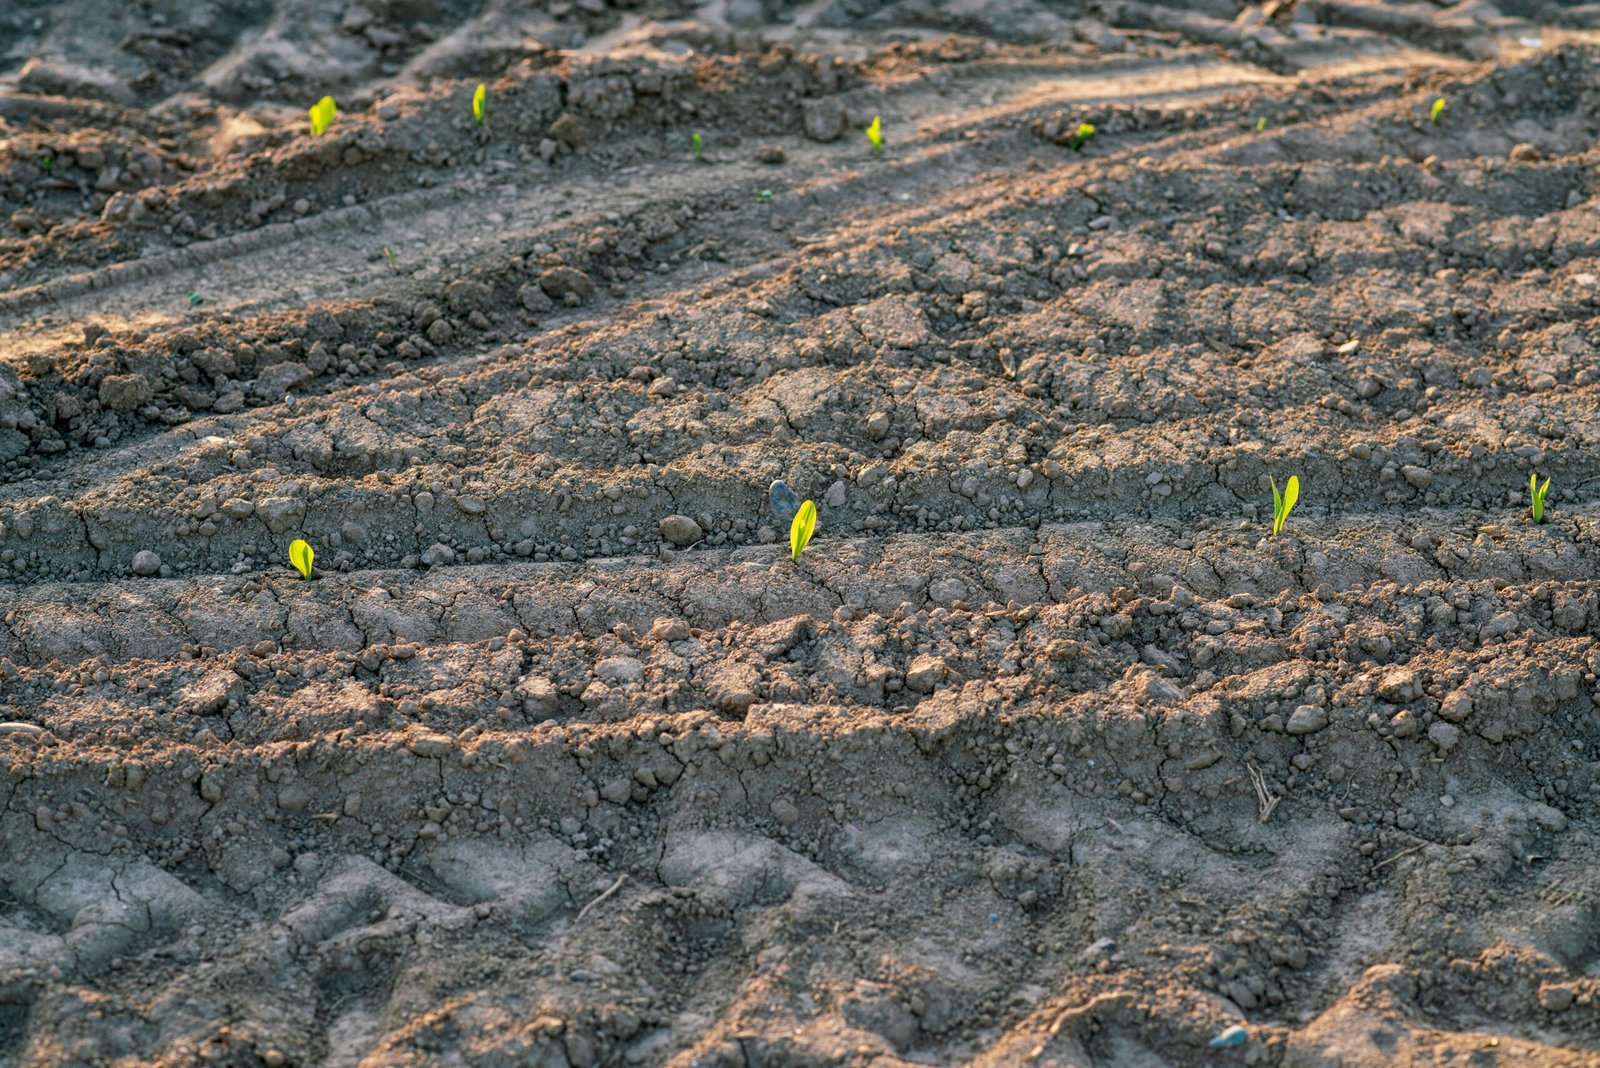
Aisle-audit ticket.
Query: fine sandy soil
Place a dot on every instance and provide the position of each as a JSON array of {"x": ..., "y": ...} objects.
[{"x": 1044, "y": 754}]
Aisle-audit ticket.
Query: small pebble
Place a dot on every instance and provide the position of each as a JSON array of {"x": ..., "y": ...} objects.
[
  {"x": 1233, "y": 1036},
  {"x": 681, "y": 531},
  {"x": 146, "y": 562},
  {"x": 784, "y": 501},
  {"x": 1306, "y": 719}
]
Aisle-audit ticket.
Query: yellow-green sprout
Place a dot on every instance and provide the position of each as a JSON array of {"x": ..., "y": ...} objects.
[
  {"x": 302, "y": 557},
  {"x": 1536, "y": 493},
  {"x": 1261, "y": 124},
  {"x": 1283, "y": 503},
  {"x": 1081, "y": 138},
  {"x": 479, "y": 95},
  {"x": 698, "y": 144},
  {"x": 322, "y": 114},
  {"x": 1437, "y": 110},
  {"x": 800, "y": 531},
  {"x": 875, "y": 133}
]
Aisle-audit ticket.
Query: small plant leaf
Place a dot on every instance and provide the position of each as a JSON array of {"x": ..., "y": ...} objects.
[
  {"x": 1079, "y": 139},
  {"x": 479, "y": 95},
  {"x": 1283, "y": 503},
  {"x": 322, "y": 114},
  {"x": 805, "y": 522},
  {"x": 302, "y": 557},
  {"x": 875, "y": 133},
  {"x": 698, "y": 143},
  {"x": 1536, "y": 492},
  {"x": 1436, "y": 110},
  {"x": 1261, "y": 124}
]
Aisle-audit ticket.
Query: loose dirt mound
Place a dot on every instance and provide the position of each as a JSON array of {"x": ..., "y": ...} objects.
[{"x": 1043, "y": 754}]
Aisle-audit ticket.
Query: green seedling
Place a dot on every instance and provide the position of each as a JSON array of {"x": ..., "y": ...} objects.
[
  {"x": 322, "y": 114},
  {"x": 49, "y": 165},
  {"x": 302, "y": 557},
  {"x": 1283, "y": 503},
  {"x": 1436, "y": 110},
  {"x": 394, "y": 261},
  {"x": 1081, "y": 138},
  {"x": 698, "y": 144},
  {"x": 1536, "y": 493},
  {"x": 1261, "y": 124},
  {"x": 800, "y": 531},
  {"x": 479, "y": 95},
  {"x": 765, "y": 196},
  {"x": 875, "y": 133},
  {"x": 195, "y": 298}
]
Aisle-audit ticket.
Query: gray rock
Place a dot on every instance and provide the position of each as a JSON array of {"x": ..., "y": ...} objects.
[
  {"x": 1444, "y": 735},
  {"x": 124, "y": 393},
  {"x": 279, "y": 379},
  {"x": 823, "y": 119},
  {"x": 568, "y": 130},
  {"x": 619, "y": 669},
  {"x": 681, "y": 531},
  {"x": 1307, "y": 719},
  {"x": 208, "y": 694},
  {"x": 281, "y": 513},
  {"x": 785, "y": 503},
  {"x": 560, "y": 282},
  {"x": 146, "y": 562},
  {"x": 539, "y": 696},
  {"x": 670, "y": 629},
  {"x": 534, "y": 299},
  {"x": 925, "y": 673},
  {"x": 429, "y": 744}
]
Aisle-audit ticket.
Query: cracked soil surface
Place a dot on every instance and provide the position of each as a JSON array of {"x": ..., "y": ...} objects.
[{"x": 1044, "y": 754}]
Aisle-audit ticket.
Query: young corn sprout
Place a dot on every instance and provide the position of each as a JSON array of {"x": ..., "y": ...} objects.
[
  {"x": 1436, "y": 110},
  {"x": 1261, "y": 124},
  {"x": 1536, "y": 493},
  {"x": 1079, "y": 139},
  {"x": 698, "y": 143},
  {"x": 1283, "y": 503},
  {"x": 875, "y": 133},
  {"x": 322, "y": 114},
  {"x": 800, "y": 531},
  {"x": 302, "y": 557},
  {"x": 479, "y": 95}
]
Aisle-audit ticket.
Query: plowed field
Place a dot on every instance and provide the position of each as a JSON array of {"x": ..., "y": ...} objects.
[{"x": 1045, "y": 752}]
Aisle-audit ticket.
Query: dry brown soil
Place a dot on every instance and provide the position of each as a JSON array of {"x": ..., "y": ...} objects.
[{"x": 1044, "y": 753}]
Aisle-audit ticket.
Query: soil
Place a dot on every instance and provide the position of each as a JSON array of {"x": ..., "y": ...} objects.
[{"x": 1045, "y": 752}]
